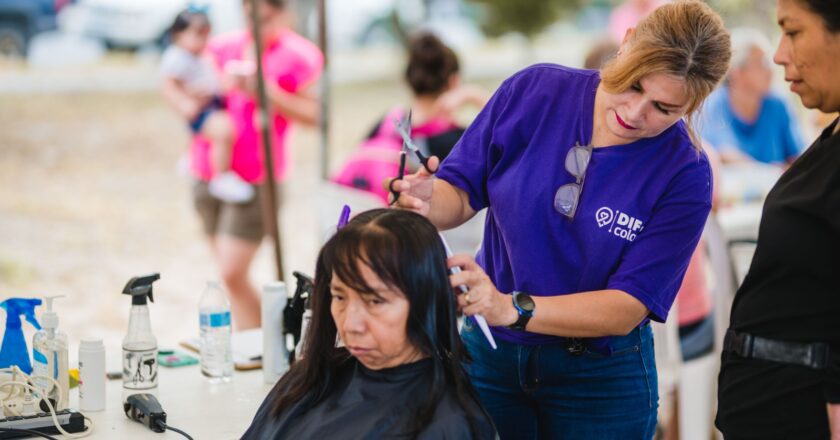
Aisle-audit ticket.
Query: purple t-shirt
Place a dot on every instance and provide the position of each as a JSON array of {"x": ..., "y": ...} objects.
[{"x": 641, "y": 212}]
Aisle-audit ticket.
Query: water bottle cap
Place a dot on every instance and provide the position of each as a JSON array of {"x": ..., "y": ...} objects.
[{"x": 91, "y": 344}]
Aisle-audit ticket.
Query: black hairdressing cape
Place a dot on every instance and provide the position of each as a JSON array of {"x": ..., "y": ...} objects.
[{"x": 370, "y": 404}]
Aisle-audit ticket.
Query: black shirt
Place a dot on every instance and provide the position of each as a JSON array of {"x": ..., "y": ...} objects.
[
  {"x": 792, "y": 290},
  {"x": 370, "y": 404},
  {"x": 791, "y": 293}
]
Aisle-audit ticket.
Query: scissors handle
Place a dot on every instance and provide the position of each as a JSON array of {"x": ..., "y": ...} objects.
[
  {"x": 400, "y": 175},
  {"x": 424, "y": 160}
]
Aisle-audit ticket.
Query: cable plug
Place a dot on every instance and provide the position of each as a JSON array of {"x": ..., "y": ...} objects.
[{"x": 28, "y": 406}]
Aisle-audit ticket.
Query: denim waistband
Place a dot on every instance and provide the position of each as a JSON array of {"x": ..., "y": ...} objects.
[{"x": 602, "y": 345}]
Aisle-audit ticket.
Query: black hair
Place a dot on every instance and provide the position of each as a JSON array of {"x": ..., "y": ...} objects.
[
  {"x": 828, "y": 10},
  {"x": 430, "y": 64},
  {"x": 187, "y": 18},
  {"x": 404, "y": 250}
]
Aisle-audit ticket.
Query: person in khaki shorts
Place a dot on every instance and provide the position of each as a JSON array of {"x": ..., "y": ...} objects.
[
  {"x": 240, "y": 220},
  {"x": 291, "y": 67}
]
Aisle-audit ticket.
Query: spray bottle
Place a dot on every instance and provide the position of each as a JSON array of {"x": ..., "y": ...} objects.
[
  {"x": 13, "y": 350},
  {"x": 49, "y": 353},
  {"x": 140, "y": 345}
]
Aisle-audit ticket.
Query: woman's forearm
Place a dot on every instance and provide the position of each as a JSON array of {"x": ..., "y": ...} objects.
[
  {"x": 834, "y": 420},
  {"x": 449, "y": 206},
  {"x": 301, "y": 107},
  {"x": 587, "y": 314}
]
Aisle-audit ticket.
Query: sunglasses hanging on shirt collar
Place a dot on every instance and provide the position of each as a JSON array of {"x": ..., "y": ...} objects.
[{"x": 567, "y": 197}]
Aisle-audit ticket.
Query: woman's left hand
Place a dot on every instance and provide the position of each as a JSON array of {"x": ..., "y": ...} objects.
[{"x": 482, "y": 297}]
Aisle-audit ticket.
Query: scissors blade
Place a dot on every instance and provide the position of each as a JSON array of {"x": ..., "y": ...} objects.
[{"x": 404, "y": 129}]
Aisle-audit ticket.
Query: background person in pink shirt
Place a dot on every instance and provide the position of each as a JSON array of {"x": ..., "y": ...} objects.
[
  {"x": 629, "y": 14},
  {"x": 292, "y": 65}
]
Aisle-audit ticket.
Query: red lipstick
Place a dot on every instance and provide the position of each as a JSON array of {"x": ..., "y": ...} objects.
[{"x": 622, "y": 123}]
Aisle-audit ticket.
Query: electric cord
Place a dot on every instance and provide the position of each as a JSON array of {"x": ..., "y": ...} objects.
[
  {"x": 28, "y": 432},
  {"x": 41, "y": 393},
  {"x": 163, "y": 425}
]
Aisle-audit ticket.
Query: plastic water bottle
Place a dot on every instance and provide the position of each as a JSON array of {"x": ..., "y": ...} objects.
[{"x": 214, "y": 319}]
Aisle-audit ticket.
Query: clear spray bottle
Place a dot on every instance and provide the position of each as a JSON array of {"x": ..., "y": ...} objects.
[{"x": 139, "y": 350}]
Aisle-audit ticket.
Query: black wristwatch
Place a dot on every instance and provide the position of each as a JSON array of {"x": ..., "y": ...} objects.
[{"x": 525, "y": 306}]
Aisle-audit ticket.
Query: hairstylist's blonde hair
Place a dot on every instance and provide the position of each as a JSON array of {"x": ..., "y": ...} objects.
[{"x": 685, "y": 39}]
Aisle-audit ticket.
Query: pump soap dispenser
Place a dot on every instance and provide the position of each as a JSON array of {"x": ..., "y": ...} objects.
[{"x": 49, "y": 355}]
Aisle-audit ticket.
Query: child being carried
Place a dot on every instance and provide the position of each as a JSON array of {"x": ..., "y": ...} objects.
[{"x": 192, "y": 87}]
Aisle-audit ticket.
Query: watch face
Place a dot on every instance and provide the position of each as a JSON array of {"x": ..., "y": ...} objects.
[{"x": 525, "y": 301}]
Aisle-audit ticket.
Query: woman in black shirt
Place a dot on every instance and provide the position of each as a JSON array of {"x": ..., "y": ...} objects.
[
  {"x": 382, "y": 287},
  {"x": 780, "y": 375}
]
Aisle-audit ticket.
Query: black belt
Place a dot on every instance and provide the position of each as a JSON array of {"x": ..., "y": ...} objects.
[{"x": 813, "y": 355}]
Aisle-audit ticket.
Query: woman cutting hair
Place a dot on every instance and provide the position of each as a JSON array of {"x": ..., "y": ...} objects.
[
  {"x": 382, "y": 287},
  {"x": 597, "y": 195}
]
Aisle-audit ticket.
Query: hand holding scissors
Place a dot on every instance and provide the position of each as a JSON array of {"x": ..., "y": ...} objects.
[
  {"x": 416, "y": 189},
  {"x": 404, "y": 129}
]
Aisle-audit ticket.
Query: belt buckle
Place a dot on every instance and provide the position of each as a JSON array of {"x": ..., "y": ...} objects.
[
  {"x": 741, "y": 343},
  {"x": 819, "y": 355},
  {"x": 575, "y": 347}
]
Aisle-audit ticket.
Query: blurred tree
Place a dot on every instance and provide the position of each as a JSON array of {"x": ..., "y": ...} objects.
[{"x": 526, "y": 17}]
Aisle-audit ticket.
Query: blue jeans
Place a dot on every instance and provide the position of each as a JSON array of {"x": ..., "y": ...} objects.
[{"x": 545, "y": 392}]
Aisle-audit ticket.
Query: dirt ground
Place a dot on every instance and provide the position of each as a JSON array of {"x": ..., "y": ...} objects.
[{"x": 90, "y": 196}]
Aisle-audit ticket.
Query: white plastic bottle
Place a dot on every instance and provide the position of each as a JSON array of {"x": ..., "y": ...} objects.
[
  {"x": 91, "y": 374},
  {"x": 275, "y": 357},
  {"x": 214, "y": 320},
  {"x": 49, "y": 354}
]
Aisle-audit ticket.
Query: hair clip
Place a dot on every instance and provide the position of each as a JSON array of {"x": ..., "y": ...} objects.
[
  {"x": 343, "y": 218},
  {"x": 194, "y": 8}
]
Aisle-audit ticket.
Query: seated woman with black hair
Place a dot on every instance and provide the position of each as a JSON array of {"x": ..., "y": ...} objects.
[{"x": 382, "y": 287}]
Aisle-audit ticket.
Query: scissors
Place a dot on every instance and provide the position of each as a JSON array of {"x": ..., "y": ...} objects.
[{"x": 404, "y": 128}]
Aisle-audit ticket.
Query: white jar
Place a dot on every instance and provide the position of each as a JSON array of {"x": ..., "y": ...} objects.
[{"x": 91, "y": 375}]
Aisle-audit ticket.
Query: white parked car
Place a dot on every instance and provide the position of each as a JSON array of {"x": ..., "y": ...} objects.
[
  {"x": 352, "y": 23},
  {"x": 136, "y": 23}
]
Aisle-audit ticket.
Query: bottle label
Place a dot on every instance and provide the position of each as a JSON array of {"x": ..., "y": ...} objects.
[
  {"x": 221, "y": 319},
  {"x": 140, "y": 369},
  {"x": 41, "y": 367}
]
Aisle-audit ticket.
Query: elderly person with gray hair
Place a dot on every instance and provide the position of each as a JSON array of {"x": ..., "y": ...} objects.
[{"x": 744, "y": 120}]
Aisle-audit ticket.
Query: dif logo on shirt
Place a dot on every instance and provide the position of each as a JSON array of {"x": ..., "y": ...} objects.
[{"x": 620, "y": 224}]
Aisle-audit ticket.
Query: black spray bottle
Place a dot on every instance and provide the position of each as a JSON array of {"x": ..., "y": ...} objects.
[{"x": 139, "y": 348}]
